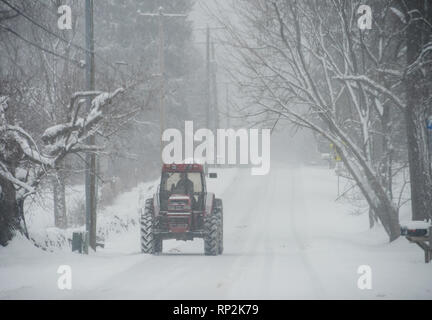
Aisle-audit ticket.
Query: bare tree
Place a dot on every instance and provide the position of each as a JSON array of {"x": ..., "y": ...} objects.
[
  {"x": 23, "y": 163},
  {"x": 309, "y": 62}
]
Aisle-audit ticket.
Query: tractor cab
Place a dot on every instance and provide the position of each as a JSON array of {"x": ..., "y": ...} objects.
[{"x": 182, "y": 181}]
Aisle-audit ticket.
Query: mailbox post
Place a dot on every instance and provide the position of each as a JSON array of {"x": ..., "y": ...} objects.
[
  {"x": 80, "y": 242},
  {"x": 421, "y": 237}
]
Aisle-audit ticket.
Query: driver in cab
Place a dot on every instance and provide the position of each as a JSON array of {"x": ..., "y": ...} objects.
[{"x": 184, "y": 185}]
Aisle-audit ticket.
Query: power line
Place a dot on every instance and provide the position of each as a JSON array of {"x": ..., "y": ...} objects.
[
  {"x": 59, "y": 37},
  {"x": 42, "y": 27},
  {"x": 78, "y": 63},
  {"x": 48, "y": 10}
]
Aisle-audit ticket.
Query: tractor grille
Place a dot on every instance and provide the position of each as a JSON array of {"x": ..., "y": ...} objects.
[
  {"x": 178, "y": 205},
  {"x": 178, "y": 222}
]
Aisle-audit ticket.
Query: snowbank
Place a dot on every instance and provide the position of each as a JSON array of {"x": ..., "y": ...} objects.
[{"x": 113, "y": 219}]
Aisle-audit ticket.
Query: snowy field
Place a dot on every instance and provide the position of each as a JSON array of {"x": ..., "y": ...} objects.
[{"x": 285, "y": 238}]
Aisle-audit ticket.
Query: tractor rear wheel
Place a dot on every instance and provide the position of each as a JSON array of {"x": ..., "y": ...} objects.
[
  {"x": 147, "y": 224},
  {"x": 218, "y": 211},
  {"x": 211, "y": 238}
]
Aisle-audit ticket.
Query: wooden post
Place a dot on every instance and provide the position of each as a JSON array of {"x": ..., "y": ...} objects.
[
  {"x": 208, "y": 79},
  {"x": 90, "y": 185},
  {"x": 425, "y": 243}
]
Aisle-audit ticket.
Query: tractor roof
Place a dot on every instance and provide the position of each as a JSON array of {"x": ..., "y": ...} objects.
[{"x": 182, "y": 167}]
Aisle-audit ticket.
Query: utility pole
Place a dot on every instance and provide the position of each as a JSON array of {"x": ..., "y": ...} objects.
[
  {"x": 210, "y": 75},
  {"x": 208, "y": 79},
  {"x": 215, "y": 107},
  {"x": 162, "y": 77},
  {"x": 90, "y": 186},
  {"x": 228, "y": 111},
  {"x": 161, "y": 15}
]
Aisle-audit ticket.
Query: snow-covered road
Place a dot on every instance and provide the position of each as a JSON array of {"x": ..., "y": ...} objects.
[
  {"x": 285, "y": 238},
  {"x": 264, "y": 251}
]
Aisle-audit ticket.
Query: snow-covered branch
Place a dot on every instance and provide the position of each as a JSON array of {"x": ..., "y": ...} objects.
[
  {"x": 60, "y": 140},
  {"x": 376, "y": 86}
]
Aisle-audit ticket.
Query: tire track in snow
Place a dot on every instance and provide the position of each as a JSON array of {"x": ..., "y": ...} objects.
[
  {"x": 245, "y": 239},
  {"x": 297, "y": 197},
  {"x": 268, "y": 215}
]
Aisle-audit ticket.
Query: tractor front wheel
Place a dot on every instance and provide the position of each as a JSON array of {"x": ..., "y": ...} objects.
[
  {"x": 211, "y": 238},
  {"x": 146, "y": 225}
]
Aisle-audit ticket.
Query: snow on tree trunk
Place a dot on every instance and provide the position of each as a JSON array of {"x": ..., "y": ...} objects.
[
  {"x": 369, "y": 183},
  {"x": 59, "y": 197},
  {"x": 9, "y": 155},
  {"x": 9, "y": 213}
]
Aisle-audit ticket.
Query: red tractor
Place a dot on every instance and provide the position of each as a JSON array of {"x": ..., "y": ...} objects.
[{"x": 182, "y": 209}]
